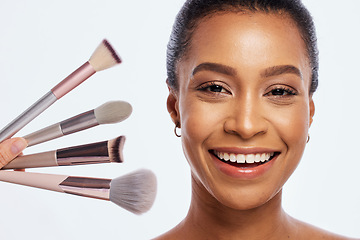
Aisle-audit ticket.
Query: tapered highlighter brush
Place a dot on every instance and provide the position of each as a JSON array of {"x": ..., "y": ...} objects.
[
  {"x": 100, "y": 152},
  {"x": 108, "y": 113},
  {"x": 103, "y": 57},
  {"x": 134, "y": 192}
]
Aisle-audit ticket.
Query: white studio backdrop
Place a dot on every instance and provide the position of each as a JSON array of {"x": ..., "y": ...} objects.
[{"x": 43, "y": 41}]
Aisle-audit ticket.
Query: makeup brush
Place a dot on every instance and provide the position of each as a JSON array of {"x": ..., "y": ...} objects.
[
  {"x": 104, "y": 57},
  {"x": 100, "y": 152},
  {"x": 134, "y": 192},
  {"x": 107, "y": 113}
]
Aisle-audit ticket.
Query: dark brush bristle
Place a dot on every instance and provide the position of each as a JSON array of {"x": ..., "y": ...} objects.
[
  {"x": 115, "y": 147},
  {"x": 111, "y": 49}
]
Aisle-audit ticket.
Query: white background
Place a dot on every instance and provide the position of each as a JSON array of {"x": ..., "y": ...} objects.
[{"x": 41, "y": 42}]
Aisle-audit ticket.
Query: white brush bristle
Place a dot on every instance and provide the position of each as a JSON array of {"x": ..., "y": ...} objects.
[
  {"x": 112, "y": 112},
  {"x": 135, "y": 191},
  {"x": 104, "y": 57}
]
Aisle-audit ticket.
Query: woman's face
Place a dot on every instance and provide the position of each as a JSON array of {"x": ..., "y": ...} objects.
[{"x": 244, "y": 107}]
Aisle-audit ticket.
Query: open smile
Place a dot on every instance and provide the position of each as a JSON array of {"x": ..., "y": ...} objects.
[
  {"x": 250, "y": 164},
  {"x": 244, "y": 161}
]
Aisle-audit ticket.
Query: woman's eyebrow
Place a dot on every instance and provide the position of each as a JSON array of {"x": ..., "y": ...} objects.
[
  {"x": 215, "y": 67},
  {"x": 281, "y": 69},
  {"x": 227, "y": 70}
]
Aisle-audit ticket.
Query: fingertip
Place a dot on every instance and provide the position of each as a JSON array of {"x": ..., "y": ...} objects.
[{"x": 18, "y": 145}]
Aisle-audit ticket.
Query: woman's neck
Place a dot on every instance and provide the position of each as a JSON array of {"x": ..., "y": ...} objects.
[{"x": 209, "y": 219}]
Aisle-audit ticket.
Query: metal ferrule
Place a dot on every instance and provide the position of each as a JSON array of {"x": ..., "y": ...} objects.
[
  {"x": 32, "y": 112},
  {"x": 84, "y": 154},
  {"x": 78, "y": 123},
  {"x": 87, "y": 187}
]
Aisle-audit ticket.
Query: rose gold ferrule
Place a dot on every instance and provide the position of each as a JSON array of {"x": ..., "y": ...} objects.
[
  {"x": 73, "y": 80},
  {"x": 87, "y": 187}
]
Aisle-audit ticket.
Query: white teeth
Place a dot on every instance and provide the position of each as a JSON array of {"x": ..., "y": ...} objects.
[
  {"x": 250, "y": 158},
  {"x": 264, "y": 157},
  {"x": 232, "y": 158},
  {"x": 257, "y": 157},
  {"x": 240, "y": 158},
  {"x": 244, "y": 158}
]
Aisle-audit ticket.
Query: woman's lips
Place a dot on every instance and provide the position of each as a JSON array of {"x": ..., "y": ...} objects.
[{"x": 249, "y": 164}]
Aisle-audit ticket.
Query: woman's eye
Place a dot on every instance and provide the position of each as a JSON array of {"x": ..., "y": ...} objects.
[
  {"x": 216, "y": 88},
  {"x": 213, "y": 87},
  {"x": 281, "y": 91}
]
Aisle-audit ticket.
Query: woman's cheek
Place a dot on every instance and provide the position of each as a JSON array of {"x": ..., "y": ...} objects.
[
  {"x": 199, "y": 120},
  {"x": 292, "y": 127},
  {"x": 294, "y": 124}
]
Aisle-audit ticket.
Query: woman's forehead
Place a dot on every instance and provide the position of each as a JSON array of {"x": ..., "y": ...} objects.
[{"x": 248, "y": 40}]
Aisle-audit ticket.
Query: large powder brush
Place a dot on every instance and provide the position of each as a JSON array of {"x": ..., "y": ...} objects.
[{"x": 134, "y": 191}]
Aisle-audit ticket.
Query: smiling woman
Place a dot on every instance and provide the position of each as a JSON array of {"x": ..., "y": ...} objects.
[
  {"x": 243, "y": 124},
  {"x": 241, "y": 76}
]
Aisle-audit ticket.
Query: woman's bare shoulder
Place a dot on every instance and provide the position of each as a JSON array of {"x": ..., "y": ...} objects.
[
  {"x": 304, "y": 231},
  {"x": 307, "y": 231}
]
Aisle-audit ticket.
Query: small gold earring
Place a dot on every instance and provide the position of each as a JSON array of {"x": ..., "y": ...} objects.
[
  {"x": 175, "y": 129},
  {"x": 308, "y": 138}
]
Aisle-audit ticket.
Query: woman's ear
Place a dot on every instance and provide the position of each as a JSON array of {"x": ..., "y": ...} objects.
[
  {"x": 312, "y": 111},
  {"x": 173, "y": 105}
]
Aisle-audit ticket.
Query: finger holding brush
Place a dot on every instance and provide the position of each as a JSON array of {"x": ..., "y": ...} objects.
[
  {"x": 108, "y": 113},
  {"x": 11, "y": 148},
  {"x": 134, "y": 192},
  {"x": 99, "y": 152},
  {"x": 103, "y": 57}
]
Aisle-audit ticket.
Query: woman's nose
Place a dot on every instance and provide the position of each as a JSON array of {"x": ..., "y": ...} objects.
[{"x": 247, "y": 118}]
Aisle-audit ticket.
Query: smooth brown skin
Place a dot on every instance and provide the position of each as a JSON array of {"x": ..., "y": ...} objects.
[{"x": 252, "y": 50}]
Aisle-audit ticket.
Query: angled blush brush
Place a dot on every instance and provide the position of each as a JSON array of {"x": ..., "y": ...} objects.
[
  {"x": 103, "y": 57},
  {"x": 107, "y": 113},
  {"x": 134, "y": 192},
  {"x": 100, "y": 152}
]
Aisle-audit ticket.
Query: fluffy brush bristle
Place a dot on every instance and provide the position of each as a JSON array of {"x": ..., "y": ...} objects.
[
  {"x": 104, "y": 57},
  {"x": 112, "y": 112},
  {"x": 115, "y": 148},
  {"x": 135, "y": 191}
]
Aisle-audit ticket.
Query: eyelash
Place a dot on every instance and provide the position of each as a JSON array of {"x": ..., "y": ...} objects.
[
  {"x": 286, "y": 91},
  {"x": 282, "y": 91},
  {"x": 206, "y": 87}
]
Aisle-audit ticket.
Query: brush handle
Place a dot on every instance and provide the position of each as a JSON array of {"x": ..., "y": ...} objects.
[
  {"x": 92, "y": 153},
  {"x": 46, "y": 134},
  {"x": 37, "y": 180},
  {"x": 65, "y": 86},
  {"x": 73, "y": 80},
  {"x": 32, "y": 112},
  {"x": 75, "y": 124},
  {"x": 82, "y": 186},
  {"x": 45, "y": 159}
]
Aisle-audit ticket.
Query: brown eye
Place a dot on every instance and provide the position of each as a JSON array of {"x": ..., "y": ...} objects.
[
  {"x": 216, "y": 88},
  {"x": 282, "y": 92},
  {"x": 212, "y": 88}
]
